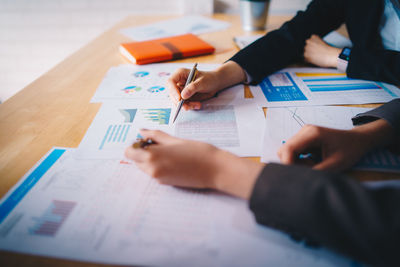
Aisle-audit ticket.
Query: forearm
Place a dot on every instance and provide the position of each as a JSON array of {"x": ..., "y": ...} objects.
[
  {"x": 375, "y": 134},
  {"x": 389, "y": 113},
  {"x": 235, "y": 176},
  {"x": 229, "y": 74}
]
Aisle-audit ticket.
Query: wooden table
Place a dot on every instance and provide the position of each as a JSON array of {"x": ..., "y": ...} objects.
[{"x": 54, "y": 110}]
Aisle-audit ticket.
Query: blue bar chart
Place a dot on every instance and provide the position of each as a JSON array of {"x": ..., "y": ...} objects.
[
  {"x": 115, "y": 133},
  {"x": 328, "y": 82},
  {"x": 281, "y": 87}
]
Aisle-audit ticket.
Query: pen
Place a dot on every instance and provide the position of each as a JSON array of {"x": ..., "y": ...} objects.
[
  {"x": 142, "y": 143},
  {"x": 191, "y": 77}
]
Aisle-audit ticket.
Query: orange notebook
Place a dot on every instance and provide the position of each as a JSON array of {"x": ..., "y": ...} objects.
[{"x": 169, "y": 48}]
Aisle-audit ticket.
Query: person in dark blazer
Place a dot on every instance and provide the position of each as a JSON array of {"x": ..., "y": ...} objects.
[
  {"x": 320, "y": 204},
  {"x": 373, "y": 27}
]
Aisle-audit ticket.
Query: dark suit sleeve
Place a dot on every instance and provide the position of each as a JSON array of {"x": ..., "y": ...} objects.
[
  {"x": 376, "y": 64},
  {"x": 389, "y": 112},
  {"x": 369, "y": 60},
  {"x": 331, "y": 210},
  {"x": 285, "y": 46}
]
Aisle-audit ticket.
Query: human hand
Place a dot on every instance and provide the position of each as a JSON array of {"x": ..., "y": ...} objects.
[
  {"x": 193, "y": 164},
  {"x": 321, "y": 54},
  {"x": 205, "y": 85},
  {"x": 338, "y": 149}
]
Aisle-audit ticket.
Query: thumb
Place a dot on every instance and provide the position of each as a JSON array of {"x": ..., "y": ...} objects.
[
  {"x": 190, "y": 90},
  {"x": 329, "y": 164},
  {"x": 305, "y": 140},
  {"x": 157, "y": 136}
]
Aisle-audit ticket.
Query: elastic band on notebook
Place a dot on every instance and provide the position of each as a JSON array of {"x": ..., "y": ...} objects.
[{"x": 176, "y": 53}]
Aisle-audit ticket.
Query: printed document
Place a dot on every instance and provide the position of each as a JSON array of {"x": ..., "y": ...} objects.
[
  {"x": 318, "y": 86},
  {"x": 110, "y": 212},
  {"x": 147, "y": 84},
  {"x": 223, "y": 122}
]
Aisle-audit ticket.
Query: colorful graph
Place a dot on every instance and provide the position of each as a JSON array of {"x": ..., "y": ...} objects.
[
  {"x": 159, "y": 115},
  {"x": 129, "y": 114},
  {"x": 156, "y": 89},
  {"x": 325, "y": 82},
  {"x": 141, "y": 74},
  {"x": 163, "y": 74},
  {"x": 52, "y": 219},
  {"x": 115, "y": 134},
  {"x": 131, "y": 89},
  {"x": 281, "y": 87}
]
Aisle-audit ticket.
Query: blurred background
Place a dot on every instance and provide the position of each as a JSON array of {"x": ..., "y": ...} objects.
[{"x": 35, "y": 35}]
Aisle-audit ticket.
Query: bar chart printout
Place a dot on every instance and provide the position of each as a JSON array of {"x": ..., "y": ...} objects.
[
  {"x": 53, "y": 218},
  {"x": 315, "y": 86},
  {"x": 157, "y": 115},
  {"x": 330, "y": 82},
  {"x": 115, "y": 133},
  {"x": 281, "y": 87}
]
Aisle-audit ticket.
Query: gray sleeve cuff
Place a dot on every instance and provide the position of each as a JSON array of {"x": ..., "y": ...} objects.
[{"x": 390, "y": 112}]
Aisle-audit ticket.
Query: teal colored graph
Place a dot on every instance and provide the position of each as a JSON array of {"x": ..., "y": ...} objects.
[
  {"x": 141, "y": 74},
  {"x": 115, "y": 134},
  {"x": 129, "y": 114},
  {"x": 160, "y": 115},
  {"x": 156, "y": 89}
]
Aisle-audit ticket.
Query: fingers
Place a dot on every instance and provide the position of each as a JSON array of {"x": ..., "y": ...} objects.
[
  {"x": 176, "y": 82},
  {"x": 137, "y": 155},
  {"x": 191, "y": 89},
  {"x": 189, "y": 105},
  {"x": 157, "y": 136},
  {"x": 308, "y": 138},
  {"x": 326, "y": 164}
]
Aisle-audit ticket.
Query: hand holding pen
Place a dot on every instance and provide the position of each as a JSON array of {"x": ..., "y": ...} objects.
[
  {"x": 205, "y": 86},
  {"x": 190, "y": 79}
]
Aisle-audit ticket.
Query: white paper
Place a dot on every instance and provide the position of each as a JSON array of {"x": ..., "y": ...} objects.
[
  {"x": 117, "y": 125},
  {"x": 243, "y": 242},
  {"x": 108, "y": 211},
  {"x": 333, "y": 38},
  {"x": 318, "y": 86},
  {"x": 144, "y": 84},
  {"x": 172, "y": 27},
  {"x": 283, "y": 123},
  {"x": 224, "y": 125}
]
